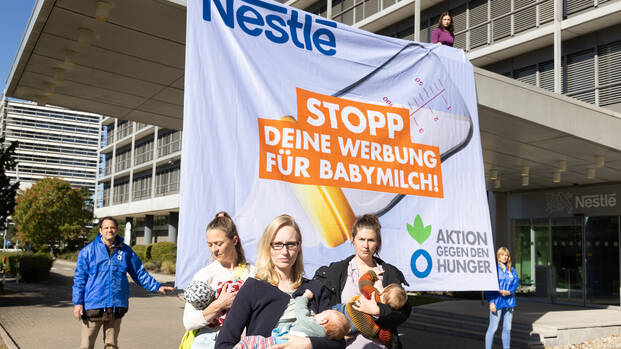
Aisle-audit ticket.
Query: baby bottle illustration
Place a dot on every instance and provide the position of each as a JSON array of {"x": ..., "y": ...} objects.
[{"x": 414, "y": 79}]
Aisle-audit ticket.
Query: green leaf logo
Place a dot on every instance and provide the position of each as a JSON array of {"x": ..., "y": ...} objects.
[{"x": 419, "y": 231}]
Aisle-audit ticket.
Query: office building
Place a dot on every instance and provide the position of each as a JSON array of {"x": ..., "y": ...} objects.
[
  {"x": 138, "y": 181},
  {"x": 53, "y": 142}
]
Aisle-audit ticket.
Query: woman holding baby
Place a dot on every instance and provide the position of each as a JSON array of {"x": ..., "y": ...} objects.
[
  {"x": 342, "y": 280},
  {"x": 268, "y": 301},
  {"x": 224, "y": 275}
]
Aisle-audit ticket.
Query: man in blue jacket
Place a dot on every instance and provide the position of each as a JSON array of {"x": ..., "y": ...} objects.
[{"x": 100, "y": 285}]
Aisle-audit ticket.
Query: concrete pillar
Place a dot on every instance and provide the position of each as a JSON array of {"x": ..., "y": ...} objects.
[
  {"x": 173, "y": 221},
  {"x": 129, "y": 225},
  {"x": 499, "y": 219},
  {"x": 132, "y": 149},
  {"x": 148, "y": 229},
  {"x": 154, "y": 165},
  {"x": 558, "y": 17},
  {"x": 502, "y": 226},
  {"x": 417, "y": 20},
  {"x": 329, "y": 9},
  {"x": 113, "y": 166}
]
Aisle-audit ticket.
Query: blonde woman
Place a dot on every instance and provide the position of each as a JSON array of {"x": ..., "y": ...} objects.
[
  {"x": 267, "y": 301},
  {"x": 502, "y": 302},
  {"x": 229, "y": 263}
]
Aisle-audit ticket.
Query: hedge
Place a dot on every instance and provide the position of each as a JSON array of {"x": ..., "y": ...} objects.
[
  {"x": 163, "y": 250},
  {"x": 141, "y": 251},
  {"x": 32, "y": 268},
  {"x": 157, "y": 252}
]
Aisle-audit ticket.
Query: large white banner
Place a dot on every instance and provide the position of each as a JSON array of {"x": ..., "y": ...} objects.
[{"x": 287, "y": 112}]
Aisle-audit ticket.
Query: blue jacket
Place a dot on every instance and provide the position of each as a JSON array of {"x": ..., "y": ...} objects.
[
  {"x": 100, "y": 281},
  {"x": 507, "y": 280}
]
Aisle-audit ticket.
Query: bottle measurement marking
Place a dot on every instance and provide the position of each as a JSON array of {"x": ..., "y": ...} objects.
[
  {"x": 427, "y": 102},
  {"x": 431, "y": 91}
]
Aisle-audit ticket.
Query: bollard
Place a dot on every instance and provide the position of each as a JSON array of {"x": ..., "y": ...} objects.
[{"x": 3, "y": 269}]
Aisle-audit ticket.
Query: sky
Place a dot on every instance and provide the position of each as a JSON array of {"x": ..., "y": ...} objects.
[{"x": 14, "y": 16}]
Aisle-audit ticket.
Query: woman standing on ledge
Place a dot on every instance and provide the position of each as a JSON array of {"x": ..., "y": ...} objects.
[
  {"x": 443, "y": 34},
  {"x": 502, "y": 302}
]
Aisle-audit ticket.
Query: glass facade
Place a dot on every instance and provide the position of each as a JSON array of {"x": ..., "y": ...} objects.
[{"x": 569, "y": 259}]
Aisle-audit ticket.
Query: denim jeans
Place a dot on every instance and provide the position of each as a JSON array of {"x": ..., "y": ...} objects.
[{"x": 494, "y": 320}]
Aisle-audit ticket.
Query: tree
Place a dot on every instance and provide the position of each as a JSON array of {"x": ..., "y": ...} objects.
[
  {"x": 8, "y": 190},
  {"x": 51, "y": 211}
]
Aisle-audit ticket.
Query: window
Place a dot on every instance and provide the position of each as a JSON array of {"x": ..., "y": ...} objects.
[
  {"x": 121, "y": 192},
  {"x": 123, "y": 160},
  {"x": 167, "y": 182},
  {"x": 142, "y": 187},
  {"x": 143, "y": 153},
  {"x": 124, "y": 129},
  {"x": 168, "y": 143}
]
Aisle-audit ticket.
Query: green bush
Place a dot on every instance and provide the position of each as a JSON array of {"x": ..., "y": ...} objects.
[
  {"x": 32, "y": 267},
  {"x": 152, "y": 266},
  {"x": 11, "y": 261},
  {"x": 35, "y": 268},
  {"x": 163, "y": 250},
  {"x": 168, "y": 267},
  {"x": 141, "y": 251},
  {"x": 69, "y": 255}
]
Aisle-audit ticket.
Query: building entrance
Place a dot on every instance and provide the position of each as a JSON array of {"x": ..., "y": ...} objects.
[
  {"x": 571, "y": 259},
  {"x": 567, "y": 269},
  {"x": 602, "y": 259}
]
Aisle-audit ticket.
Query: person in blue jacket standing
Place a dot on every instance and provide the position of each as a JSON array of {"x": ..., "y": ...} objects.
[
  {"x": 502, "y": 302},
  {"x": 100, "y": 285}
]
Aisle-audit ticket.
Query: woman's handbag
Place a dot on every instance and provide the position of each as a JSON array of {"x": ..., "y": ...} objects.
[{"x": 188, "y": 338}]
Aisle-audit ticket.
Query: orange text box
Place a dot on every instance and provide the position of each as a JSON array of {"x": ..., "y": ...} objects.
[{"x": 329, "y": 152}]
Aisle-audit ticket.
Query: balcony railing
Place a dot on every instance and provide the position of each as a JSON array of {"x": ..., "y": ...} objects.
[
  {"x": 106, "y": 198},
  {"x": 353, "y": 11},
  {"x": 121, "y": 193},
  {"x": 108, "y": 168},
  {"x": 110, "y": 137},
  {"x": 167, "y": 189},
  {"x": 140, "y": 194},
  {"x": 169, "y": 144},
  {"x": 122, "y": 164},
  {"x": 124, "y": 130},
  {"x": 143, "y": 157},
  {"x": 505, "y": 25}
]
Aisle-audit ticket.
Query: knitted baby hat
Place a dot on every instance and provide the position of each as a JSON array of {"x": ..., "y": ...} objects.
[{"x": 199, "y": 294}]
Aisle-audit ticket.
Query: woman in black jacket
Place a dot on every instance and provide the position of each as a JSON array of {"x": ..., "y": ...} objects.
[
  {"x": 261, "y": 304},
  {"x": 341, "y": 279}
]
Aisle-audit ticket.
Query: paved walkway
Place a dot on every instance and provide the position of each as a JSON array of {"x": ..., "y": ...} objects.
[{"x": 39, "y": 316}]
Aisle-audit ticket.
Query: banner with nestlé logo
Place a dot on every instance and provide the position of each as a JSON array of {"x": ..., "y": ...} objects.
[{"x": 289, "y": 112}]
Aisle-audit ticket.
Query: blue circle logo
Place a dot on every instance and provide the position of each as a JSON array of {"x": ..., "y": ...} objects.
[{"x": 421, "y": 274}]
